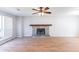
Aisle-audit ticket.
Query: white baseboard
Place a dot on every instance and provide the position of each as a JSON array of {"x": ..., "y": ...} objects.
[{"x": 6, "y": 40}]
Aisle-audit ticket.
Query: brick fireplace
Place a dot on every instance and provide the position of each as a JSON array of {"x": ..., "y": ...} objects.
[{"x": 40, "y": 29}]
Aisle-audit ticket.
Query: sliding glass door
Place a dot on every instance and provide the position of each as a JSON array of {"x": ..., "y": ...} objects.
[
  {"x": 1, "y": 28},
  {"x": 6, "y": 27},
  {"x": 0, "y": 23}
]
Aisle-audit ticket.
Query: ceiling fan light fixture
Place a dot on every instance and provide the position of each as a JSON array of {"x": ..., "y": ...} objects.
[
  {"x": 42, "y": 11},
  {"x": 41, "y": 14}
]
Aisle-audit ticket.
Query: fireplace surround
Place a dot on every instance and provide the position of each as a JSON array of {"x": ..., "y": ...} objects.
[{"x": 40, "y": 29}]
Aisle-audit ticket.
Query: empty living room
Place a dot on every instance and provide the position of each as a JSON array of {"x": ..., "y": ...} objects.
[{"x": 39, "y": 29}]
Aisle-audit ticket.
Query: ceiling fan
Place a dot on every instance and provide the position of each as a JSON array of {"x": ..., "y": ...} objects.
[{"x": 42, "y": 10}]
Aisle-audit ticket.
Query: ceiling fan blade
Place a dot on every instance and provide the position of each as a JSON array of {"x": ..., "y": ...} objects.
[
  {"x": 35, "y": 9},
  {"x": 35, "y": 13},
  {"x": 46, "y": 8},
  {"x": 47, "y": 12}
]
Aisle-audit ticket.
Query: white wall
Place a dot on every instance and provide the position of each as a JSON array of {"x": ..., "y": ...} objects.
[
  {"x": 62, "y": 26},
  {"x": 19, "y": 26},
  {"x": 36, "y": 20},
  {"x": 67, "y": 26}
]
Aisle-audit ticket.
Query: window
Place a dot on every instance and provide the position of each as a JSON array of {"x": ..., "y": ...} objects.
[{"x": 0, "y": 23}]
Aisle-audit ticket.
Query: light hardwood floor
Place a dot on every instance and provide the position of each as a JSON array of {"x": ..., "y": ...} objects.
[{"x": 41, "y": 44}]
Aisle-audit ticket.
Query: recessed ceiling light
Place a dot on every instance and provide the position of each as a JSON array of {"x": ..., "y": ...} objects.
[{"x": 18, "y": 9}]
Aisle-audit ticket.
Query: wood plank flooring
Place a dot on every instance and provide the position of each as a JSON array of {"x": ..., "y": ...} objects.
[{"x": 41, "y": 44}]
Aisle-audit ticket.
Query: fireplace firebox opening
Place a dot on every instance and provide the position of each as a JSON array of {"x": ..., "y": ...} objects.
[{"x": 40, "y": 31}]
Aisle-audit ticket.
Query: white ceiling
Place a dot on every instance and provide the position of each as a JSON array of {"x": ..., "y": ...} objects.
[{"x": 27, "y": 11}]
